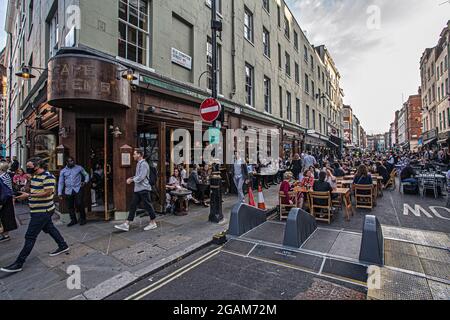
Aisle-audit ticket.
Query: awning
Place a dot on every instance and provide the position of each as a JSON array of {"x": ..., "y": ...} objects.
[
  {"x": 429, "y": 141},
  {"x": 333, "y": 144},
  {"x": 445, "y": 141}
]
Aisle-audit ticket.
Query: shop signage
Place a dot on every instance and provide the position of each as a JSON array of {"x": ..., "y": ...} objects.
[
  {"x": 84, "y": 81},
  {"x": 210, "y": 110},
  {"x": 181, "y": 59}
]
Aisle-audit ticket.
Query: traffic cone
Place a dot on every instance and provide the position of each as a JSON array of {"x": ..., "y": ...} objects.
[
  {"x": 261, "y": 203},
  {"x": 251, "y": 197}
]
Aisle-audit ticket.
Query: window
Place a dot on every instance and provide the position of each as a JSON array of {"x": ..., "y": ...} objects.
[
  {"x": 209, "y": 65},
  {"x": 306, "y": 83},
  {"x": 266, "y": 42},
  {"x": 249, "y": 87},
  {"x": 279, "y": 56},
  {"x": 297, "y": 110},
  {"x": 288, "y": 64},
  {"x": 289, "y": 106},
  {"x": 267, "y": 95},
  {"x": 248, "y": 25},
  {"x": 295, "y": 40},
  {"x": 306, "y": 54},
  {"x": 312, "y": 63},
  {"x": 318, "y": 72},
  {"x": 448, "y": 117},
  {"x": 30, "y": 16},
  {"x": 320, "y": 123},
  {"x": 297, "y": 73},
  {"x": 280, "y": 95},
  {"x": 446, "y": 87},
  {"x": 133, "y": 30},
  {"x": 279, "y": 15},
  {"x": 287, "y": 28},
  {"x": 440, "y": 121},
  {"x": 218, "y": 5},
  {"x": 307, "y": 117},
  {"x": 54, "y": 34},
  {"x": 266, "y": 5},
  {"x": 314, "y": 119},
  {"x": 313, "y": 89}
]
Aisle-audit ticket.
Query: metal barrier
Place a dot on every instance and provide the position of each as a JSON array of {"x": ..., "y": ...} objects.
[
  {"x": 300, "y": 226},
  {"x": 245, "y": 218}
]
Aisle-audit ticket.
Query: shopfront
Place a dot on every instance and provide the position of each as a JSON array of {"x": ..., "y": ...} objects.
[{"x": 430, "y": 139}]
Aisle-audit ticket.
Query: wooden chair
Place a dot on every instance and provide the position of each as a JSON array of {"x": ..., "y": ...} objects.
[
  {"x": 392, "y": 181},
  {"x": 286, "y": 208},
  {"x": 364, "y": 195},
  {"x": 327, "y": 206}
]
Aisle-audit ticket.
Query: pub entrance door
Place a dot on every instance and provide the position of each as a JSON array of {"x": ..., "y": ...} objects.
[{"x": 95, "y": 154}]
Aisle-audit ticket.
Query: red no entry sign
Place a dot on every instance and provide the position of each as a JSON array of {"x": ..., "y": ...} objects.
[{"x": 210, "y": 110}]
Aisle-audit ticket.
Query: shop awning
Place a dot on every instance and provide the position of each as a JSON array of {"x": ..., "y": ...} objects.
[
  {"x": 445, "y": 141},
  {"x": 333, "y": 144},
  {"x": 429, "y": 141}
]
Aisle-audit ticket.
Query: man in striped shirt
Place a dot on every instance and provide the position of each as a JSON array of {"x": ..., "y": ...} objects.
[{"x": 42, "y": 208}]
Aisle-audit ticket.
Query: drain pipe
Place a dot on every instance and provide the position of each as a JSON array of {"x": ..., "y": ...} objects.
[{"x": 233, "y": 48}]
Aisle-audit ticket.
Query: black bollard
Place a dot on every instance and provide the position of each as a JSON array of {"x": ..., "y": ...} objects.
[{"x": 215, "y": 213}]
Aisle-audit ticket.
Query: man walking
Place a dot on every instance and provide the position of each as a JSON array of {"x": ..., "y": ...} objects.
[
  {"x": 141, "y": 193},
  {"x": 309, "y": 161},
  {"x": 72, "y": 179},
  {"x": 42, "y": 208}
]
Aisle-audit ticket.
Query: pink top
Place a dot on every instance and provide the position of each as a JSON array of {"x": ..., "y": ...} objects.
[
  {"x": 285, "y": 188},
  {"x": 20, "y": 179}
]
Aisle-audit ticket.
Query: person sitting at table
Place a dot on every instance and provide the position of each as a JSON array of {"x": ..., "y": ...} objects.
[
  {"x": 321, "y": 185},
  {"x": 331, "y": 179},
  {"x": 408, "y": 175},
  {"x": 308, "y": 179},
  {"x": 382, "y": 171},
  {"x": 175, "y": 183},
  {"x": 363, "y": 177},
  {"x": 286, "y": 187},
  {"x": 192, "y": 184},
  {"x": 338, "y": 171},
  {"x": 183, "y": 174}
]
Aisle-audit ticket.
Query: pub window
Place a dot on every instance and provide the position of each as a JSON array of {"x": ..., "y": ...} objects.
[
  {"x": 267, "y": 95},
  {"x": 266, "y": 42},
  {"x": 133, "y": 30},
  {"x": 289, "y": 106},
  {"x": 248, "y": 25},
  {"x": 297, "y": 110}
]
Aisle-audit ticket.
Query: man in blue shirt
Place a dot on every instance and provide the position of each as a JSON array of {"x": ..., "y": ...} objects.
[{"x": 72, "y": 179}]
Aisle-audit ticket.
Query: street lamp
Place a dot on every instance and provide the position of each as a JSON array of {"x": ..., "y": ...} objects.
[{"x": 127, "y": 74}]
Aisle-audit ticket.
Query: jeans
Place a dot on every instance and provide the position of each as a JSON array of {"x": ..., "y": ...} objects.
[
  {"x": 40, "y": 222},
  {"x": 138, "y": 197},
  {"x": 239, "y": 182},
  {"x": 75, "y": 200}
]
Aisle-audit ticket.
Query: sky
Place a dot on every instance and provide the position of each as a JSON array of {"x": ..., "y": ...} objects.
[{"x": 377, "y": 46}]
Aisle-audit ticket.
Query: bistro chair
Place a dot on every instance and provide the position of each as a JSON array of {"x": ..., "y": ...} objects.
[
  {"x": 321, "y": 206},
  {"x": 429, "y": 182},
  {"x": 392, "y": 181},
  {"x": 286, "y": 208},
  {"x": 364, "y": 195}
]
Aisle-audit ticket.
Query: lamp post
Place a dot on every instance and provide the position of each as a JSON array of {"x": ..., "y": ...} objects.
[{"x": 215, "y": 215}]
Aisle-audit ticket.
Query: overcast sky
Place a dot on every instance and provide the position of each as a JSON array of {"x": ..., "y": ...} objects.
[{"x": 377, "y": 65}]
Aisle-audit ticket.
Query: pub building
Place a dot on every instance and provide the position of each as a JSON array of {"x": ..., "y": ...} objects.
[{"x": 97, "y": 109}]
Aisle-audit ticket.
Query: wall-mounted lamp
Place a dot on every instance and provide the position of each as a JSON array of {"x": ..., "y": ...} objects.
[
  {"x": 116, "y": 132},
  {"x": 64, "y": 132},
  {"x": 25, "y": 72},
  {"x": 127, "y": 74}
]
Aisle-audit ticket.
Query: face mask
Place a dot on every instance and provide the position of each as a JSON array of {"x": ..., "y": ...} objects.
[
  {"x": 30, "y": 170},
  {"x": 71, "y": 165}
]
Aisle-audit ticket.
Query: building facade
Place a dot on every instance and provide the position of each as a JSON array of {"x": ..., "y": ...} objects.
[
  {"x": 270, "y": 76},
  {"x": 414, "y": 120},
  {"x": 3, "y": 101}
]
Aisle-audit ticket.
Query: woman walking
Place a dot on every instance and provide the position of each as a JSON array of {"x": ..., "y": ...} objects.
[{"x": 7, "y": 214}]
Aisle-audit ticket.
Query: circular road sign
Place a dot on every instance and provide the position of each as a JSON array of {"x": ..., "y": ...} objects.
[{"x": 210, "y": 110}]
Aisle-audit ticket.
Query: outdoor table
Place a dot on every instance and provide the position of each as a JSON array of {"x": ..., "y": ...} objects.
[{"x": 180, "y": 195}]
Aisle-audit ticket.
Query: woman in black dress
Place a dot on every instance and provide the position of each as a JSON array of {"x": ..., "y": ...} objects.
[
  {"x": 7, "y": 213},
  {"x": 296, "y": 166}
]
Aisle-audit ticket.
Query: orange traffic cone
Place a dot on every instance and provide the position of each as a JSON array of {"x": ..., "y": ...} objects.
[
  {"x": 261, "y": 203},
  {"x": 251, "y": 197}
]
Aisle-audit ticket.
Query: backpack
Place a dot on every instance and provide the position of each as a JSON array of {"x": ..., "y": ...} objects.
[{"x": 5, "y": 193}]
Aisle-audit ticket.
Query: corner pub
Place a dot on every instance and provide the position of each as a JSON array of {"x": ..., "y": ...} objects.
[{"x": 98, "y": 109}]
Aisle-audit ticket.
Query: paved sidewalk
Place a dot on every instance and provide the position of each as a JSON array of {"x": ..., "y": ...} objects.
[{"x": 108, "y": 259}]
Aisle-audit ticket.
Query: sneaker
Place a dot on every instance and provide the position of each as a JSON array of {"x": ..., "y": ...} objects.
[
  {"x": 4, "y": 238},
  {"x": 123, "y": 227},
  {"x": 151, "y": 226},
  {"x": 72, "y": 223},
  {"x": 83, "y": 222},
  {"x": 94, "y": 205},
  {"x": 59, "y": 251},
  {"x": 14, "y": 268}
]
